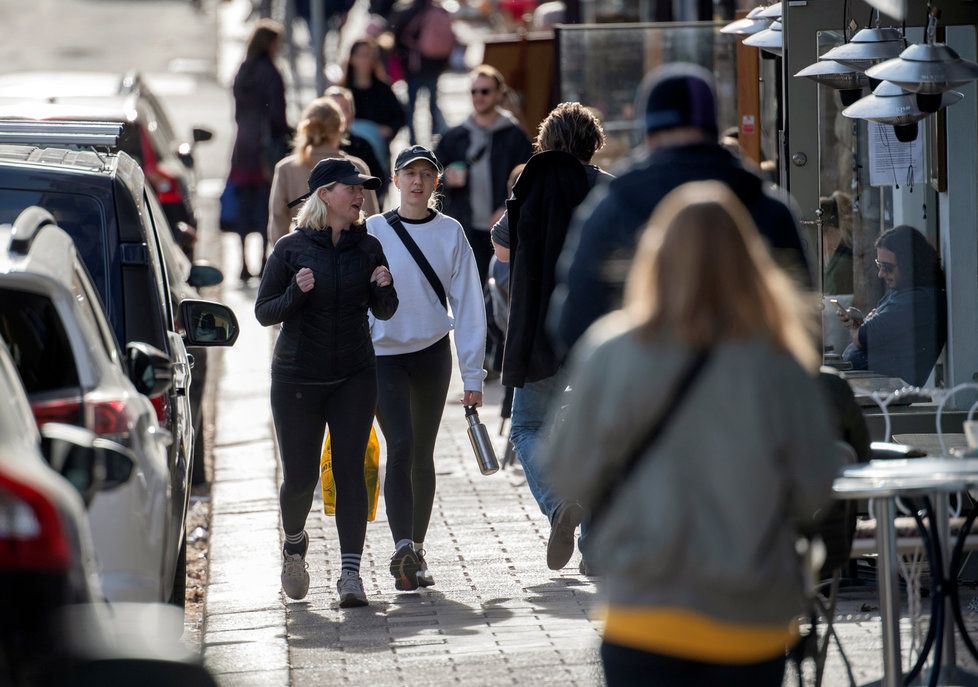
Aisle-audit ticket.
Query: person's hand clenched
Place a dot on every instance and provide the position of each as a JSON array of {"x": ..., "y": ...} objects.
[
  {"x": 382, "y": 276},
  {"x": 305, "y": 280}
]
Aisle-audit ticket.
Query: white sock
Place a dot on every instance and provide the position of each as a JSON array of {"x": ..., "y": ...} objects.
[{"x": 419, "y": 546}]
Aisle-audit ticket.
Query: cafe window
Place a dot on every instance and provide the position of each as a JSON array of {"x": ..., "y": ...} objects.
[{"x": 870, "y": 183}]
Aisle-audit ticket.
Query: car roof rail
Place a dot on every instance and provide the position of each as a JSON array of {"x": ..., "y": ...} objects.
[
  {"x": 26, "y": 227},
  {"x": 75, "y": 133}
]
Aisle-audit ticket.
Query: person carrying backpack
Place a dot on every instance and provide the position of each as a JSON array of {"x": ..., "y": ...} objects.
[{"x": 423, "y": 42}]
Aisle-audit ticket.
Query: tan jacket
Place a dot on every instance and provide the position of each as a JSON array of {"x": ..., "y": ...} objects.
[{"x": 291, "y": 180}]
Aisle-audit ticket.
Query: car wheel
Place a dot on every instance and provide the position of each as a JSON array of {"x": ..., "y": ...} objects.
[
  {"x": 198, "y": 474},
  {"x": 179, "y": 595}
]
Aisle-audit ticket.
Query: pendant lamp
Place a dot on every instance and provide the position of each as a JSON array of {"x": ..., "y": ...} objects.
[
  {"x": 769, "y": 40},
  {"x": 771, "y": 11},
  {"x": 848, "y": 81},
  {"x": 867, "y": 48},
  {"x": 927, "y": 69},
  {"x": 890, "y": 104},
  {"x": 749, "y": 25}
]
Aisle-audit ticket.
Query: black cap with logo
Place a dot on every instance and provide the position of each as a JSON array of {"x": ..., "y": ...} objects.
[{"x": 336, "y": 169}]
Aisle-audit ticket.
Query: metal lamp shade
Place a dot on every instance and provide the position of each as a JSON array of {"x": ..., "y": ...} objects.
[
  {"x": 927, "y": 69},
  {"x": 749, "y": 25},
  {"x": 846, "y": 80},
  {"x": 867, "y": 48},
  {"x": 771, "y": 12},
  {"x": 890, "y": 104},
  {"x": 769, "y": 39}
]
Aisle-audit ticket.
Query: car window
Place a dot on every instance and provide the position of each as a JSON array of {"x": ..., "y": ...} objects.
[
  {"x": 177, "y": 264},
  {"x": 158, "y": 136},
  {"x": 91, "y": 308},
  {"x": 81, "y": 216},
  {"x": 15, "y": 414},
  {"x": 156, "y": 257},
  {"x": 38, "y": 343}
]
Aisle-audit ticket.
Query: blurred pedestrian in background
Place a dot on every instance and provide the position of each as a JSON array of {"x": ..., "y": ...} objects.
[
  {"x": 423, "y": 43},
  {"x": 478, "y": 156},
  {"x": 317, "y": 138},
  {"x": 379, "y": 114},
  {"x": 262, "y": 137},
  {"x": 321, "y": 280},
  {"x": 837, "y": 276},
  {"x": 351, "y": 143},
  {"x": 678, "y": 116},
  {"x": 414, "y": 356},
  {"x": 696, "y": 543},
  {"x": 531, "y": 234}
]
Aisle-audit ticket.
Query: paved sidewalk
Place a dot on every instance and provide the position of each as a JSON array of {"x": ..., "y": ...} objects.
[{"x": 497, "y": 615}]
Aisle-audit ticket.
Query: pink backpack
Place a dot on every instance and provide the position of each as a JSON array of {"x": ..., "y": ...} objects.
[{"x": 436, "y": 40}]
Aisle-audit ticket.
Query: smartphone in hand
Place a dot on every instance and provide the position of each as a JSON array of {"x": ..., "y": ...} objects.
[{"x": 838, "y": 306}]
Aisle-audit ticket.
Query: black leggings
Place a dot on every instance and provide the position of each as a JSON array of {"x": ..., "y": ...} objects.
[
  {"x": 624, "y": 667},
  {"x": 412, "y": 390},
  {"x": 301, "y": 413}
]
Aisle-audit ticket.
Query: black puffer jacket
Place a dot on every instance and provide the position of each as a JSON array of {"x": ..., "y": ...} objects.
[{"x": 325, "y": 335}]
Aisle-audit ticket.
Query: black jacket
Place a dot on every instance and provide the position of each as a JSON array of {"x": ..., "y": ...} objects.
[
  {"x": 325, "y": 335},
  {"x": 551, "y": 185},
  {"x": 509, "y": 147},
  {"x": 603, "y": 235}
]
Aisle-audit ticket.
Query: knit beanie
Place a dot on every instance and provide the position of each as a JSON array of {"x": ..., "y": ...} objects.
[{"x": 678, "y": 95}]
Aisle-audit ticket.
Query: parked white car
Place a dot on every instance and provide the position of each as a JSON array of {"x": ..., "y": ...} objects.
[{"x": 70, "y": 364}]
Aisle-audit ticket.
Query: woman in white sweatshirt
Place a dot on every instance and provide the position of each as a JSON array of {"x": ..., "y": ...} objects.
[{"x": 414, "y": 356}]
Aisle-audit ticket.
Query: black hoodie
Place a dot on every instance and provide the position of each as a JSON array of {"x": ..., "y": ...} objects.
[{"x": 602, "y": 239}]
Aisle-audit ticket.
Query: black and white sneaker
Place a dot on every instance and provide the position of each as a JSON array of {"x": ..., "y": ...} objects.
[
  {"x": 404, "y": 568},
  {"x": 425, "y": 578}
]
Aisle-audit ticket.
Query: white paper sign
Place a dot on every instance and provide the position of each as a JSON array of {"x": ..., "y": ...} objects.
[{"x": 891, "y": 162}]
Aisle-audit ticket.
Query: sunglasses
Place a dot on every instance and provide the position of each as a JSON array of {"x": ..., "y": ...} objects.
[
  {"x": 885, "y": 267},
  {"x": 483, "y": 91}
]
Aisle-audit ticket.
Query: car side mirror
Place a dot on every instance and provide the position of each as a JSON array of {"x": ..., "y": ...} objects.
[
  {"x": 90, "y": 463},
  {"x": 204, "y": 274},
  {"x": 150, "y": 368},
  {"x": 208, "y": 323},
  {"x": 202, "y": 135}
]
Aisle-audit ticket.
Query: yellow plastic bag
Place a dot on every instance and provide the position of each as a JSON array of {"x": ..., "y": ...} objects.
[{"x": 371, "y": 473}]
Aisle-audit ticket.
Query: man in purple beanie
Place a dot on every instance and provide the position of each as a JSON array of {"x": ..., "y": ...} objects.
[{"x": 677, "y": 111}]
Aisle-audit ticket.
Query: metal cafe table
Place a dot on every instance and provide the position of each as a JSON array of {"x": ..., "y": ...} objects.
[{"x": 884, "y": 481}]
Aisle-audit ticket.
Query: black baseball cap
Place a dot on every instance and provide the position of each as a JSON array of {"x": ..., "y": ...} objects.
[
  {"x": 409, "y": 155},
  {"x": 336, "y": 169}
]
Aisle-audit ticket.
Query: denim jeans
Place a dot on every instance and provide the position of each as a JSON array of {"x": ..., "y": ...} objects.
[
  {"x": 430, "y": 84},
  {"x": 532, "y": 405}
]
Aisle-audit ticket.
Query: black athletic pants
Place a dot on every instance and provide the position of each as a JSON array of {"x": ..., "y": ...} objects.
[
  {"x": 624, "y": 667},
  {"x": 301, "y": 413},
  {"x": 412, "y": 391}
]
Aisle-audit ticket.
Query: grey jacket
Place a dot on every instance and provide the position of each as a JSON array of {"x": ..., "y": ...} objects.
[{"x": 707, "y": 521}]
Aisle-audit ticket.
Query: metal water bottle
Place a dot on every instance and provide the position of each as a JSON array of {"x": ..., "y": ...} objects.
[{"x": 485, "y": 454}]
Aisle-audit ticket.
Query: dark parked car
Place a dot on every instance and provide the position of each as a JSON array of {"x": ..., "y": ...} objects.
[
  {"x": 101, "y": 201},
  {"x": 147, "y": 134}
]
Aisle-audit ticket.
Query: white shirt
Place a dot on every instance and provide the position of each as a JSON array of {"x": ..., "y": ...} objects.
[{"x": 421, "y": 320}]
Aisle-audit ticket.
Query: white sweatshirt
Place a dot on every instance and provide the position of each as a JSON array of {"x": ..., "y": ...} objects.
[{"x": 420, "y": 320}]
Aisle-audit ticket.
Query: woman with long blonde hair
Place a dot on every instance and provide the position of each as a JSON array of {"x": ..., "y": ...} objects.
[
  {"x": 696, "y": 543},
  {"x": 317, "y": 137}
]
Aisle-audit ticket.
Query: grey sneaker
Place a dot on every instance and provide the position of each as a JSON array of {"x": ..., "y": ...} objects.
[
  {"x": 404, "y": 568},
  {"x": 350, "y": 589},
  {"x": 424, "y": 577},
  {"x": 295, "y": 575},
  {"x": 560, "y": 546}
]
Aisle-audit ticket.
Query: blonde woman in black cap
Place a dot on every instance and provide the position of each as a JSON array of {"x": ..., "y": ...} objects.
[
  {"x": 435, "y": 267},
  {"x": 319, "y": 283}
]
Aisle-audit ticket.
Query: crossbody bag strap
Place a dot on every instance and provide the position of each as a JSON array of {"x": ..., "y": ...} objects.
[
  {"x": 610, "y": 486},
  {"x": 415, "y": 251}
]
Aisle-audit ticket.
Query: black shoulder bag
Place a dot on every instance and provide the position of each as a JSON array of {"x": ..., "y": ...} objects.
[
  {"x": 415, "y": 251},
  {"x": 611, "y": 484}
]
